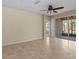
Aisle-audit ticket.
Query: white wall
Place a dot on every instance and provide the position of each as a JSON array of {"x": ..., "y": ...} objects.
[
  {"x": 46, "y": 20},
  {"x": 52, "y": 27},
  {"x": 20, "y": 26}
]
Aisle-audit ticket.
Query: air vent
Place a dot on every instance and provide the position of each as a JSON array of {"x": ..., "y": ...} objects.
[{"x": 36, "y": 1}]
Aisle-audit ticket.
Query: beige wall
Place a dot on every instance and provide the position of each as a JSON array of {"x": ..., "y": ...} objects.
[{"x": 20, "y": 26}]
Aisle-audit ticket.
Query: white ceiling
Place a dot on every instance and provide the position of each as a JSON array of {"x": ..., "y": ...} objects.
[{"x": 31, "y": 6}]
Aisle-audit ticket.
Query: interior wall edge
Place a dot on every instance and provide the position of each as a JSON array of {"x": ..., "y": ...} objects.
[
  {"x": 22, "y": 41},
  {"x": 20, "y": 9}
]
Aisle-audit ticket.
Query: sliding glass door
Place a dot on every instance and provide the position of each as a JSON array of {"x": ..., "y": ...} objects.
[{"x": 69, "y": 27}]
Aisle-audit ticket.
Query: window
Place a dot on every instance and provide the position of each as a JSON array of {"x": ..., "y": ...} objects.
[
  {"x": 65, "y": 26},
  {"x": 69, "y": 27}
]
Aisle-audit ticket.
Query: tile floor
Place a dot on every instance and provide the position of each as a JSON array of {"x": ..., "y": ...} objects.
[{"x": 41, "y": 49}]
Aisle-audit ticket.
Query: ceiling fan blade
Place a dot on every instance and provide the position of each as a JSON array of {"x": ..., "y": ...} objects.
[
  {"x": 55, "y": 11},
  {"x": 58, "y": 8}
]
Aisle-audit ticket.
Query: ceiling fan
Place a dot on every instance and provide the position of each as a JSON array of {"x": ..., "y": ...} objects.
[{"x": 51, "y": 8}]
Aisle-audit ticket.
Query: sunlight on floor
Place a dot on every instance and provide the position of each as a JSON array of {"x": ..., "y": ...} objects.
[{"x": 48, "y": 41}]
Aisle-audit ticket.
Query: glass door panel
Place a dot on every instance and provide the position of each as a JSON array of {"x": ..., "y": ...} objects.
[{"x": 69, "y": 27}]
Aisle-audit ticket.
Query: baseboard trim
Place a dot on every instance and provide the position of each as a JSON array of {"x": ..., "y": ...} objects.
[{"x": 21, "y": 41}]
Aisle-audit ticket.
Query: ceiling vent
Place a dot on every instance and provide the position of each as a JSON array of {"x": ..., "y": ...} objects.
[{"x": 36, "y": 1}]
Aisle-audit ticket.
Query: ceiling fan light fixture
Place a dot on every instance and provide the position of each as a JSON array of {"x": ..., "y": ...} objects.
[{"x": 49, "y": 12}]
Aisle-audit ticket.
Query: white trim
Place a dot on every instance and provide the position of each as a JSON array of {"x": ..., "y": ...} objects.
[{"x": 21, "y": 41}]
